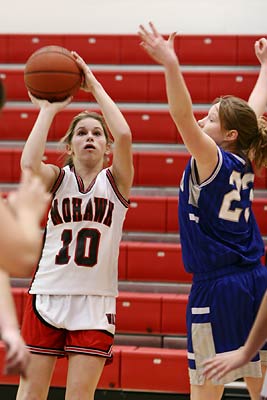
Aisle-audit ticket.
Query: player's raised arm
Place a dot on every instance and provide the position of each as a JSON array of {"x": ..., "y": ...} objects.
[
  {"x": 201, "y": 146},
  {"x": 122, "y": 163},
  {"x": 34, "y": 148},
  {"x": 258, "y": 96}
]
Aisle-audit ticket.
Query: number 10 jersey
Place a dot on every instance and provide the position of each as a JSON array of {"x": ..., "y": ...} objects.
[{"x": 82, "y": 237}]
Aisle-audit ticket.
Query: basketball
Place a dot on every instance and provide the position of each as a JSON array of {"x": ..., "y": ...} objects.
[{"x": 51, "y": 73}]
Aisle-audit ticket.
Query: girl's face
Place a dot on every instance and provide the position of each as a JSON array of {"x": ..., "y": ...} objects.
[
  {"x": 211, "y": 124},
  {"x": 88, "y": 141}
]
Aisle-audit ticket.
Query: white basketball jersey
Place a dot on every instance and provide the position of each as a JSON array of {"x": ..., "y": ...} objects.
[{"x": 82, "y": 237}]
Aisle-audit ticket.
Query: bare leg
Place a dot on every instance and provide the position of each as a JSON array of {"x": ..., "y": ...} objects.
[
  {"x": 206, "y": 391},
  {"x": 254, "y": 385},
  {"x": 36, "y": 385},
  {"x": 83, "y": 375}
]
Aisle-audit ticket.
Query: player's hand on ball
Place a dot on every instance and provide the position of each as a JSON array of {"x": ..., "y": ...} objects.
[
  {"x": 56, "y": 106},
  {"x": 89, "y": 80}
]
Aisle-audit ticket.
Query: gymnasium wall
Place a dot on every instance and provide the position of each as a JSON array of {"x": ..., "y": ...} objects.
[{"x": 124, "y": 16}]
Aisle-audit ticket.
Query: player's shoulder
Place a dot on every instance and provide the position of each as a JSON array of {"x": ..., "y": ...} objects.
[{"x": 233, "y": 158}]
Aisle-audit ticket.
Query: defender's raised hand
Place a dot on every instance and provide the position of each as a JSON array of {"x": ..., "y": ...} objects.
[{"x": 155, "y": 45}]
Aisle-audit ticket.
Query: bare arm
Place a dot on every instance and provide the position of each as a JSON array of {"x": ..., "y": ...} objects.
[
  {"x": 21, "y": 236},
  {"x": 34, "y": 147},
  {"x": 202, "y": 147},
  {"x": 122, "y": 165},
  {"x": 17, "y": 355},
  {"x": 221, "y": 364},
  {"x": 258, "y": 96}
]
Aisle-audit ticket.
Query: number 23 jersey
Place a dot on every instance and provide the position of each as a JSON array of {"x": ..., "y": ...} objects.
[
  {"x": 217, "y": 226},
  {"x": 82, "y": 237}
]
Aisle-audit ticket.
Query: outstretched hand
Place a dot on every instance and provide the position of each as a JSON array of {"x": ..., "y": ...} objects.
[{"x": 159, "y": 49}]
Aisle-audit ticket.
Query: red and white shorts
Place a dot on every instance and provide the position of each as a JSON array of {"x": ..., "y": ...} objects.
[{"x": 43, "y": 338}]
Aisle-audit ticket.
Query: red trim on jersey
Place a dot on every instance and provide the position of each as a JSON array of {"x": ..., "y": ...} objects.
[
  {"x": 116, "y": 190},
  {"x": 80, "y": 182},
  {"x": 58, "y": 181}
]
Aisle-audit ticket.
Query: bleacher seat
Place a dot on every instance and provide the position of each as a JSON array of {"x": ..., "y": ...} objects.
[
  {"x": 138, "y": 312},
  {"x": 161, "y": 169},
  {"x": 197, "y": 83},
  {"x": 3, "y": 48},
  {"x": 194, "y": 49},
  {"x": 21, "y": 46},
  {"x": 245, "y": 49},
  {"x": 131, "y": 52},
  {"x": 207, "y": 49},
  {"x": 147, "y": 86},
  {"x": 154, "y": 261},
  {"x": 147, "y": 126},
  {"x": 95, "y": 49},
  {"x": 152, "y": 126},
  {"x": 151, "y": 369},
  {"x": 174, "y": 314},
  {"x": 16, "y": 124},
  {"x": 146, "y": 214},
  {"x": 236, "y": 83}
]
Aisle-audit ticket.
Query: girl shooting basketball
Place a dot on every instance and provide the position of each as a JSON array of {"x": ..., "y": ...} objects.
[{"x": 71, "y": 307}]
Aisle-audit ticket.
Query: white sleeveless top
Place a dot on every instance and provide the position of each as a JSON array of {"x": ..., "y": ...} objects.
[{"x": 82, "y": 237}]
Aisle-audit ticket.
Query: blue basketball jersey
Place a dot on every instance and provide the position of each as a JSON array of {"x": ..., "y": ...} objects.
[{"x": 217, "y": 226}]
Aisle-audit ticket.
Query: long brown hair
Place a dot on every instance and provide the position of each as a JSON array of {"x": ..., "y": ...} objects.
[{"x": 235, "y": 113}]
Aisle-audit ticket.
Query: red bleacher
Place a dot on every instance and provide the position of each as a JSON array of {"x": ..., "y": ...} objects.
[
  {"x": 148, "y": 86},
  {"x": 148, "y": 126},
  {"x": 125, "y": 49}
]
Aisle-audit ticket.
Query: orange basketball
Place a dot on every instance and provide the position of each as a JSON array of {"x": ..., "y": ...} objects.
[{"x": 51, "y": 73}]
